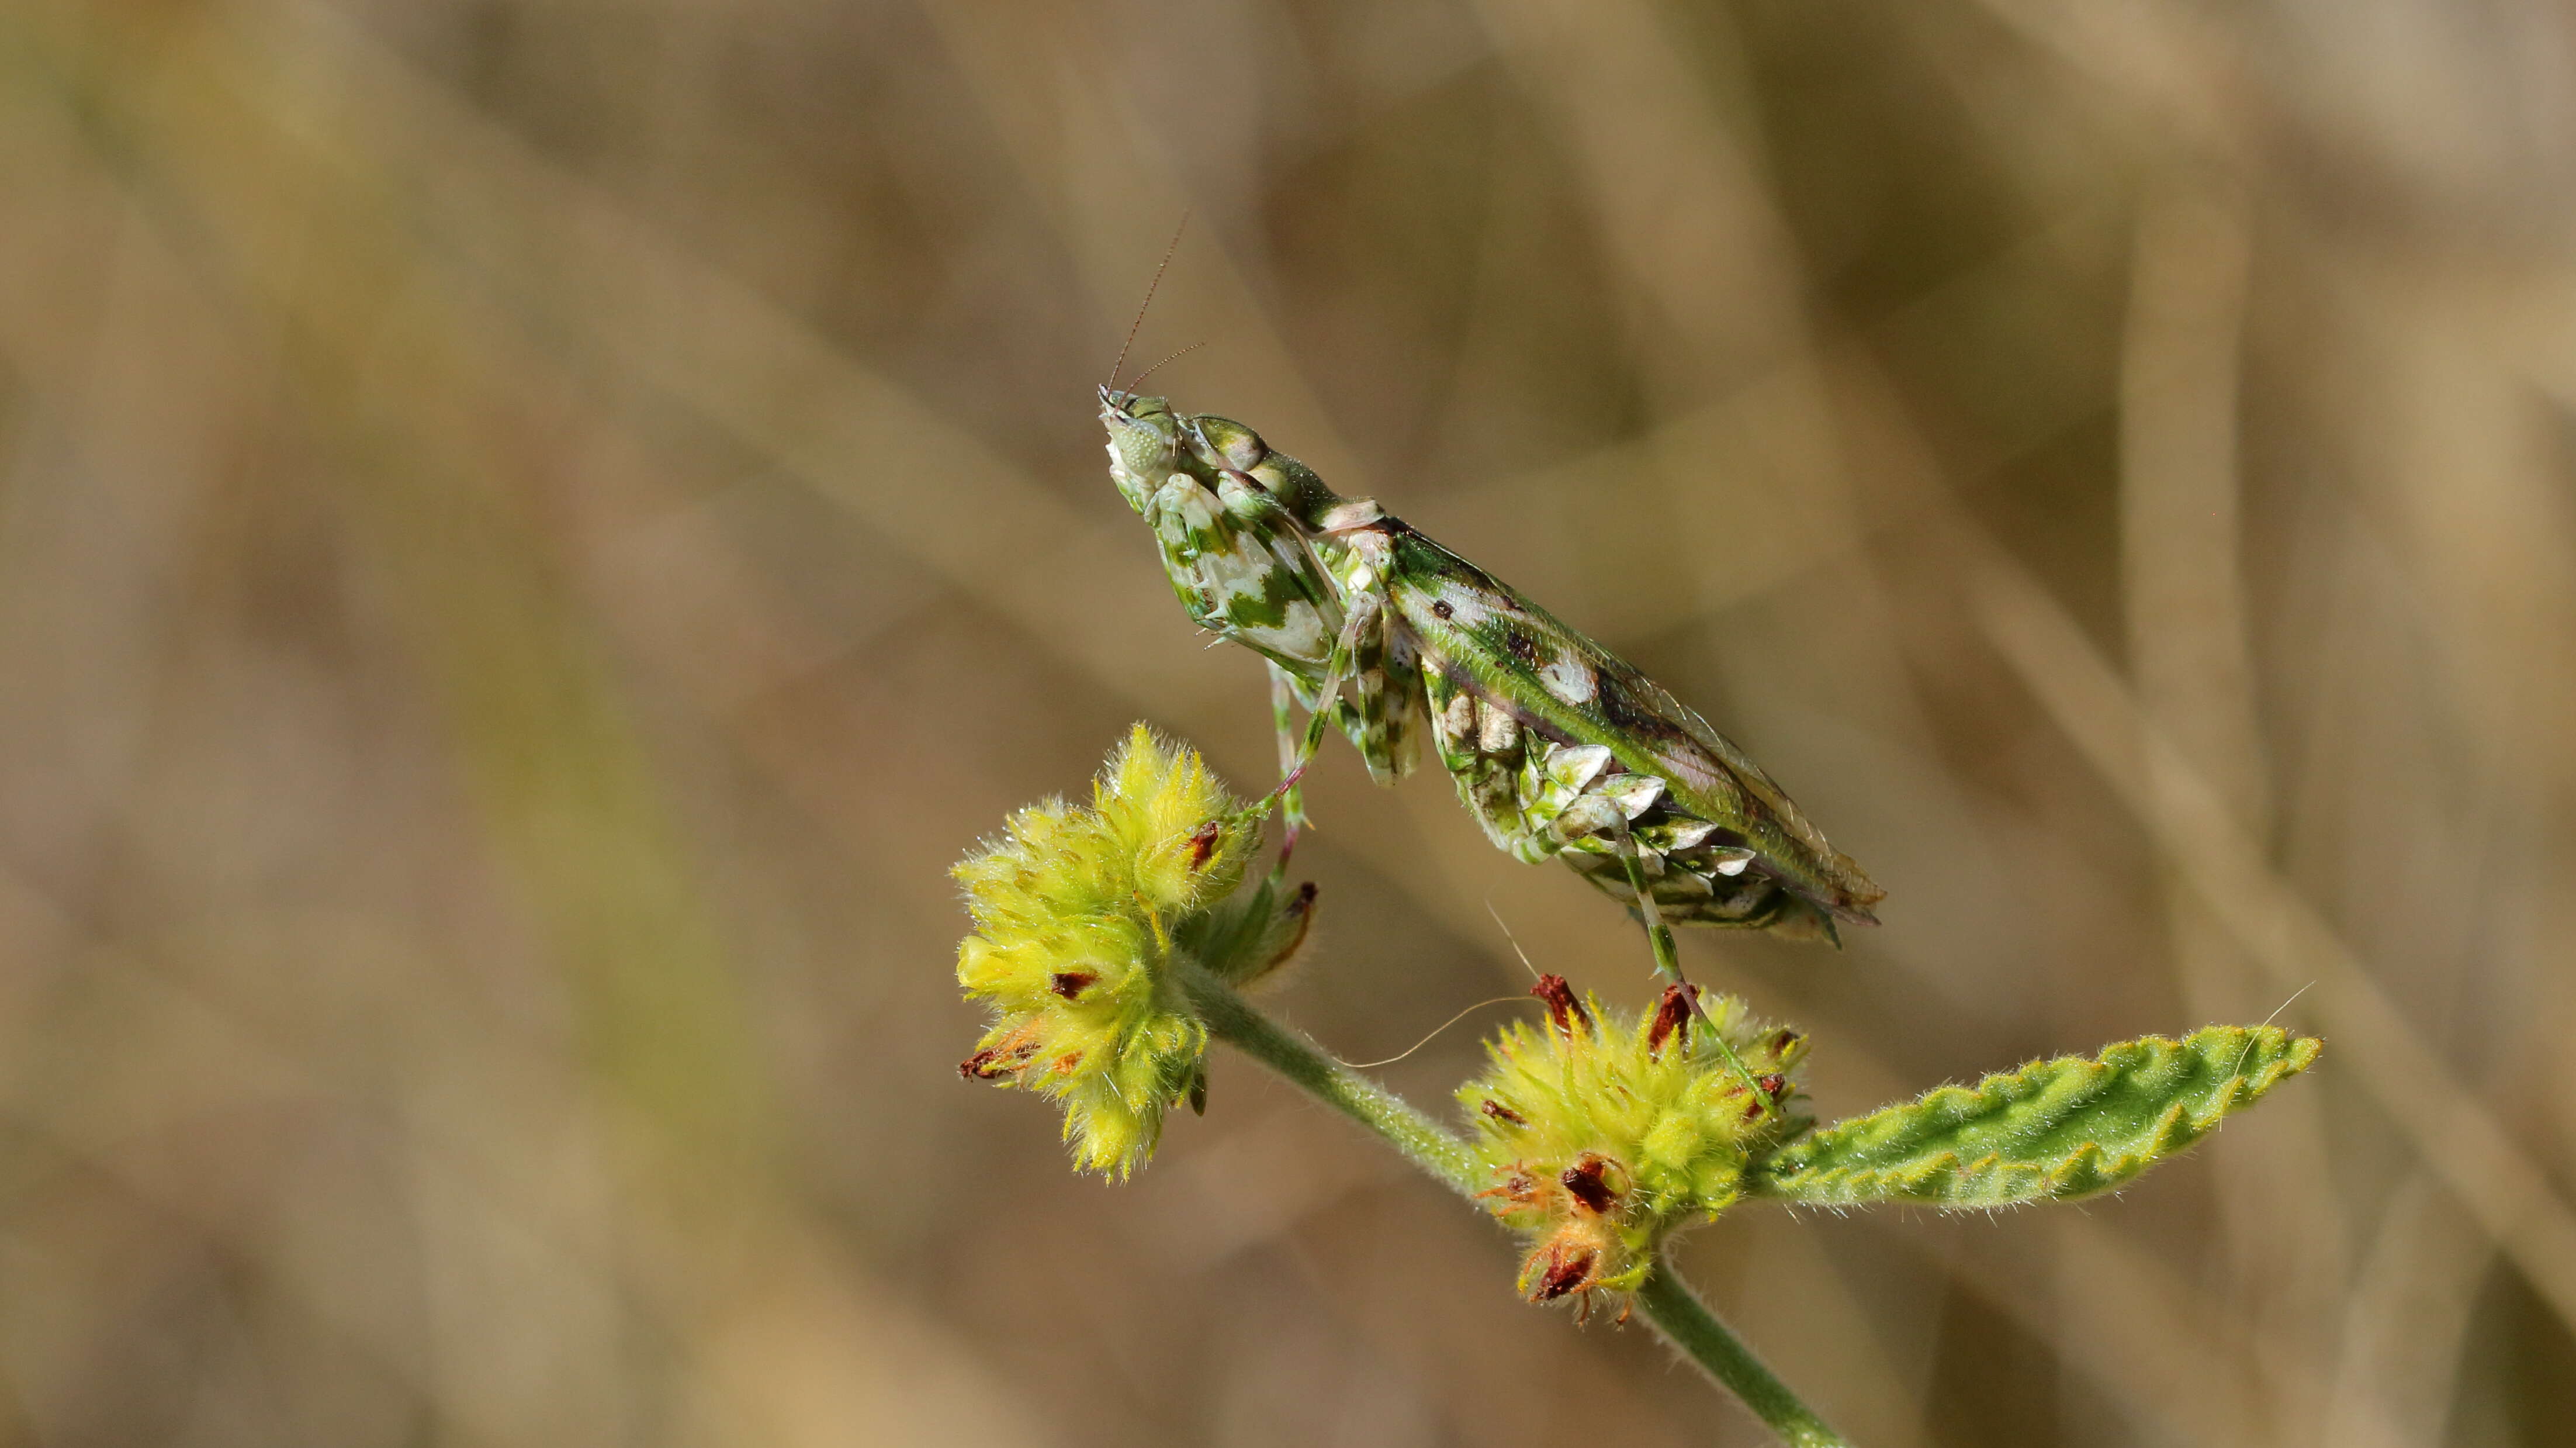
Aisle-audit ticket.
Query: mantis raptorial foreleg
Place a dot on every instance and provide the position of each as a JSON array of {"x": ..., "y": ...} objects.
[
  {"x": 1364, "y": 615},
  {"x": 1292, "y": 799}
]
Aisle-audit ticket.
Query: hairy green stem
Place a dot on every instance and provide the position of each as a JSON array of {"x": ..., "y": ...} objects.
[
  {"x": 1688, "y": 1324},
  {"x": 1423, "y": 1141},
  {"x": 1667, "y": 1302}
]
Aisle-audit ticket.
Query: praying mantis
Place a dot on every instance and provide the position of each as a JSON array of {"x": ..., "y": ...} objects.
[{"x": 1558, "y": 747}]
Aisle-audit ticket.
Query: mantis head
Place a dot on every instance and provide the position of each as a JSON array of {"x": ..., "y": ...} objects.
[{"x": 1144, "y": 443}]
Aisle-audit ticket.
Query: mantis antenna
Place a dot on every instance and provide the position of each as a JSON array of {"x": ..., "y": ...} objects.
[{"x": 1150, "y": 287}]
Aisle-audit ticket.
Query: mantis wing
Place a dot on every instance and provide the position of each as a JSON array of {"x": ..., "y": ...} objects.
[{"x": 1574, "y": 690}]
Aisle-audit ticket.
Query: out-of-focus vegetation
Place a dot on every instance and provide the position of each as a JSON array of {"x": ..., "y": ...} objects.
[{"x": 530, "y": 536}]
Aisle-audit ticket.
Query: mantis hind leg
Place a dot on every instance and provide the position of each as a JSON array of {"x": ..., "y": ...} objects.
[
  {"x": 1539, "y": 800},
  {"x": 1594, "y": 821},
  {"x": 1659, "y": 937}
]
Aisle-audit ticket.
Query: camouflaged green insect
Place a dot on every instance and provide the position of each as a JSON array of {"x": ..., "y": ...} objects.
[{"x": 1561, "y": 749}]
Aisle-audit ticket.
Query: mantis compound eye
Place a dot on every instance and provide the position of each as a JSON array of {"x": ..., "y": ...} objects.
[{"x": 1230, "y": 442}]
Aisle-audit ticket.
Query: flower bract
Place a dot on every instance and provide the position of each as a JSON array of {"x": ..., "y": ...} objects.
[
  {"x": 1076, "y": 910},
  {"x": 1602, "y": 1132}
]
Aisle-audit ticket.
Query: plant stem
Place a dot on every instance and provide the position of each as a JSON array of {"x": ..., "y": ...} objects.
[
  {"x": 1423, "y": 1141},
  {"x": 1668, "y": 1303},
  {"x": 1688, "y": 1324}
]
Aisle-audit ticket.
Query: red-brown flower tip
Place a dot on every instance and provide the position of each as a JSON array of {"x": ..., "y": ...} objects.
[
  {"x": 1500, "y": 1112},
  {"x": 1519, "y": 1189},
  {"x": 996, "y": 1062},
  {"x": 1772, "y": 1086},
  {"x": 1001, "y": 1058},
  {"x": 1671, "y": 1014},
  {"x": 1070, "y": 983},
  {"x": 1203, "y": 843},
  {"x": 1296, "y": 917},
  {"x": 1569, "y": 1269},
  {"x": 1588, "y": 1182},
  {"x": 1562, "y": 1008}
]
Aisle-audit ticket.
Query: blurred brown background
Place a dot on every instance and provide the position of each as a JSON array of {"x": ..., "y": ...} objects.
[{"x": 531, "y": 535}]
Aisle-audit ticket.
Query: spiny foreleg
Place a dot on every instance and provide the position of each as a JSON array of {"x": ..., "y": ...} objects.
[
  {"x": 1364, "y": 598},
  {"x": 1292, "y": 799}
]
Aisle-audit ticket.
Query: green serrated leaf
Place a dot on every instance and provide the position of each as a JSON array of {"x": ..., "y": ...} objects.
[{"x": 2051, "y": 1130}]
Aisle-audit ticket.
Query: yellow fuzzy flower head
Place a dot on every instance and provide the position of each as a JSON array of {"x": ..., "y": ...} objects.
[
  {"x": 1076, "y": 913},
  {"x": 1603, "y": 1132}
]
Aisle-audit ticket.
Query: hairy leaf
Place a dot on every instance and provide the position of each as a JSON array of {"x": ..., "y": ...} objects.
[{"x": 2051, "y": 1130}]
